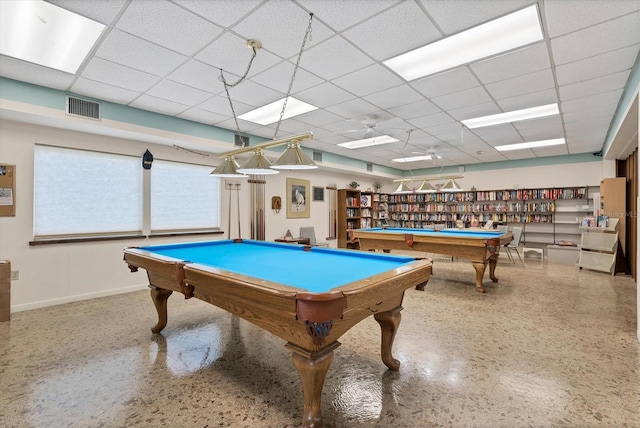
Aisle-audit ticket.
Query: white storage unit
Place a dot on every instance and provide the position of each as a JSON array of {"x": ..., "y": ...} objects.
[{"x": 598, "y": 248}]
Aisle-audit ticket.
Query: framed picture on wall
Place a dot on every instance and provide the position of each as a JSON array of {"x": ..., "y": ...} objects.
[
  {"x": 318, "y": 193},
  {"x": 298, "y": 193}
]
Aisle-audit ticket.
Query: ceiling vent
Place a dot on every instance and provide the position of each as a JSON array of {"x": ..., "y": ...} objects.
[
  {"x": 240, "y": 140},
  {"x": 83, "y": 108}
]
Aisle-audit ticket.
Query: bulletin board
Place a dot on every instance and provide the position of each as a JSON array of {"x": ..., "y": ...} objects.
[{"x": 7, "y": 190}]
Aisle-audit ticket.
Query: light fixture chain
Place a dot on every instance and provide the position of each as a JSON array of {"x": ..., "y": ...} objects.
[
  {"x": 307, "y": 36},
  {"x": 227, "y": 86}
]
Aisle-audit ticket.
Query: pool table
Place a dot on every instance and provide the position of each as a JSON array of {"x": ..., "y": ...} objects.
[
  {"x": 308, "y": 296},
  {"x": 477, "y": 245}
]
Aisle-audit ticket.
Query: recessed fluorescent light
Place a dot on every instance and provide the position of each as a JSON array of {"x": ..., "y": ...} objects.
[
  {"x": 270, "y": 113},
  {"x": 509, "y": 32},
  {"x": 44, "y": 34},
  {"x": 512, "y": 116},
  {"x": 530, "y": 145},
  {"x": 374, "y": 141},
  {"x": 413, "y": 158}
]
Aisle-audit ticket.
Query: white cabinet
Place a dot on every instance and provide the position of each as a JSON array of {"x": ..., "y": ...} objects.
[{"x": 599, "y": 248}]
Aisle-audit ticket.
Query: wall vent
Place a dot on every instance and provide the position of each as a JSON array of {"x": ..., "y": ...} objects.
[
  {"x": 240, "y": 141},
  {"x": 317, "y": 156},
  {"x": 369, "y": 167},
  {"x": 83, "y": 108}
]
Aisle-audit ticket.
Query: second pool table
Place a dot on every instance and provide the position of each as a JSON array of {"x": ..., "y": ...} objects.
[
  {"x": 479, "y": 246},
  {"x": 308, "y": 296}
]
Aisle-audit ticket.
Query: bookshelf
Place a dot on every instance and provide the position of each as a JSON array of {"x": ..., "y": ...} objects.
[{"x": 349, "y": 215}]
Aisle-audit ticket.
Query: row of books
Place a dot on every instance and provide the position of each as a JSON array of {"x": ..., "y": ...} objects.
[{"x": 593, "y": 221}]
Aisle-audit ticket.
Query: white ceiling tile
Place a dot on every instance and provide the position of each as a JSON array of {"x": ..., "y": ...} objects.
[
  {"x": 533, "y": 99},
  {"x": 113, "y": 74},
  {"x": 413, "y": 110},
  {"x": 318, "y": 118},
  {"x": 550, "y": 151},
  {"x": 146, "y": 102},
  {"x": 167, "y": 25},
  {"x": 368, "y": 80},
  {"x": 457, "y": 15},
  {"x": 517, "y": 63},
  {"x": 586, "y": 115},
  {"x": 103, "y": 11},
  {"x": 394, "y": 97},
  {"x": 404, "y": 27},
  {"x": 594, "y": 86},
  {"x": 566, "y": 16},
  {"x": 140, "y": 54},
  {"x": 178, "y": 92},
  {"x": 521, "y": 85},
  {"x": 352, "y": 108},
  {"x": 334, "y": 58},
  {"x": 253, "y": 94},
  {"x": 220, "y": 105},
  {"x": 324, "y": 95},
  {"x": 425, "y": 122},
  {"x": 585, "y": 103},
  {"x": 461, "y": 99},
  {"x": 202, "y": 116},
  {"x": 281, "y": 26},
  {"x": 199, "y": 75},
  {"x": 103, "y": 91},
  {"x": 499, "y": 134},
  {"x": 340, "y": 14},
  {"x": 220, "y": 12},
  {"x": 448, "y": 82},
  {"x": 474, "y": 111},
  {"x": 591, "y": 41},
  {"x": 596, "y": 66},
  {"x": 27, "y": 72},
  {"x": 279, "y": 78}
]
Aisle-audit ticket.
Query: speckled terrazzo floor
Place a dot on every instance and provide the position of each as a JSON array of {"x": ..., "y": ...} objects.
[{"x": 548, "y": 346}]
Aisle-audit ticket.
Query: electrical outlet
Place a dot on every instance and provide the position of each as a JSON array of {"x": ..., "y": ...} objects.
[{"x": 15, "y": 275}]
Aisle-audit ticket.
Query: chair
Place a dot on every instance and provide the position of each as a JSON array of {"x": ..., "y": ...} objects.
[
  {"x": 515, "y": 244},
  {"x": 502, "y": 228},
  {"x": 310, "y": 233}
]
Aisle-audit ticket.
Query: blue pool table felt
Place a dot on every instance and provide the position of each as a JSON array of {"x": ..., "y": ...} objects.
[{"x": 317, "y": 270}]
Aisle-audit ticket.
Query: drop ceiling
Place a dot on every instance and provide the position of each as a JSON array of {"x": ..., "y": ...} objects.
[{"x": 165, "y": 57}]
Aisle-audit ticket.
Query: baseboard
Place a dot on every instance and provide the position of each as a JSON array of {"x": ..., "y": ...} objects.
[{"x": 76, "y": 298}]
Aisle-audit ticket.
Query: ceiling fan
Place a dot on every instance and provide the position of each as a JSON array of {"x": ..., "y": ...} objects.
[{"x": 370, "y": 127}]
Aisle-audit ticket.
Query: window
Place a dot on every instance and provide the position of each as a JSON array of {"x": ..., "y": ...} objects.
[
  {"x": 183, "y": 197},
  {"x": 79, "y": 193}
]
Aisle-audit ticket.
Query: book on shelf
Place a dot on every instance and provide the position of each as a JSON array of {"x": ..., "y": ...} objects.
[
  {"x": 589, "y": 221},
  {"x": 603, "y": 221}
]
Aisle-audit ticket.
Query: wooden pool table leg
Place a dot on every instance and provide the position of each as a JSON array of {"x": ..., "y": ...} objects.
[
  {"x": 159, "y": 297},
  {"x": 493, "y": 262},
  {"x": 312, "y": 368},
  {"x": 480, "y": 267},
  {"x": 389, "y": 322}
]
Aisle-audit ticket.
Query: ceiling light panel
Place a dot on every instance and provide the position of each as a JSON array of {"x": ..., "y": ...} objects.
[
  {"x": 512, "y": 116},
  {"x": 500, "y": 35},
  {"x": 374, "y": 141},
  {"x": 413, "y": 159},
  {"x": 44, "y": 34},
  {"x": 530, "y": 145},
  {"x": 270, "y": 113}
]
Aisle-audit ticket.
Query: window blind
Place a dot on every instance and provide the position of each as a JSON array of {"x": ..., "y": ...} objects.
[
  {"x": 184, "y": 197},
  {"x": 78, "y": 192}
]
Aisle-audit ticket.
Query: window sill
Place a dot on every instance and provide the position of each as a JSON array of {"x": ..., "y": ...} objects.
[{"x": 71, "y": 240}]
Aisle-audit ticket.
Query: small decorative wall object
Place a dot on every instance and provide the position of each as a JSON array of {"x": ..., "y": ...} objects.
[
  {"x": 276, "y": 204},
  {"x": 298, "y": 192},
  {"x": 318, "y": 193}
]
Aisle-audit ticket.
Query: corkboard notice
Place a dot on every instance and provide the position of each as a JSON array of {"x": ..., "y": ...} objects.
[{"x": 7, "y": 190}]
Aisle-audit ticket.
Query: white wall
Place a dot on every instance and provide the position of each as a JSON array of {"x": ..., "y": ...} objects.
[{"x": 60, "y": 273}]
